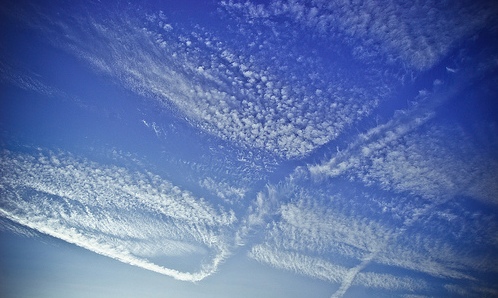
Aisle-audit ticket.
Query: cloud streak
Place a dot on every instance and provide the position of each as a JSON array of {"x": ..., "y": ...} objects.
[
  {"x": 406, "y": 208},
  {"x": 357, "y": 233},
  {"x": 414, "y": 34},
  {"x": 27, "y": 80},
  {"x": 245, "y": 95},
  {"x": 131, "y": 217},
  {"x": 322, "y": 243},
  {"x": 435, "y": 162}
]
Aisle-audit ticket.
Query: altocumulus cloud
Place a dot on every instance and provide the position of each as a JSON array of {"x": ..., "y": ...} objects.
[
  {"x": 133, "y": 217},
  {"x": 417, "y": 34},
  {"x": 345, "y": 242},
  {"x": 247, "y": 95},
  {"x": 394, "y": 211}
]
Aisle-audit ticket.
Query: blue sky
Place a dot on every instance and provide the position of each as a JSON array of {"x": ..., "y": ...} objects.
[{"x": 274, "y": 149}]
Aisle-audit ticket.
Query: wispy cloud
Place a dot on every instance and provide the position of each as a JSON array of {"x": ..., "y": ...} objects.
[
  {"x": 414, "y": 153},
  {"x": 433, "y": 162},
  {"x": 415, "y": 34},
  {"x": 298, "y": 263},
  {"x": 7, "y": 225},
  {"x": 223, "y": 190},
  {"x": 131, "y": 217},
  {"x": 27, "y": 80},
  {"x": 310, "y": 234},
  {"x": 322, "y": 243},
  {"x": 394, "y": 200},
  {"x": 244, "y": 94},
  {"x": 351, "y": 274},
  {"x": 320, "y": 268},
  {"x": 425, "y": 171}
]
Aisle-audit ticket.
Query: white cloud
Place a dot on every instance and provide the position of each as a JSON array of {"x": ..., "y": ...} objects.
[
  {"x": 323, "y": 269},
  {"x": 9, "y": 226},
  {"x": 436, "y": 163},
  {"x": 411, "y": 167},
  {"x": 131, "y": 217},
  {"x": 413, "y": 153},
  {"x": 419, "y": 34},
  {"x": 369, "y": 143},
  {"x": 439, "y": 163},
  {"x": 27, "y": 80},
  {"x": 251, "y": 97},
  {"x": 312, "y": 238},
  {"x": 313, "y": 267},
  {"x": 320, "y": 231},
  {"x": 351, "y": 274},
  {"x": 224, "y": 190}
]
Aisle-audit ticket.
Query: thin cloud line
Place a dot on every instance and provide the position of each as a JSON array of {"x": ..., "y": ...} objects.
[
  {"x": 118, "y": 206},
  {"x": 351, "y": 275}
]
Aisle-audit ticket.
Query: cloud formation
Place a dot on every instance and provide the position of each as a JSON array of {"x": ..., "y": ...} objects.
[
  {"x": 131, "y": 217},
  {"x": 406, "y": 208},
  {"x": 414, "y": 34},
  {"x": 29, "y": 81},
  {"x": 410, "y": 156},
  {"x": 287, "y": 105},
  {"x": 323, "y": 243},
  {"x": 352, "y": 240}
]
